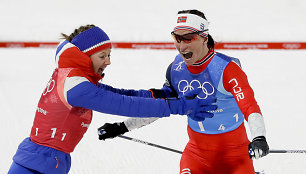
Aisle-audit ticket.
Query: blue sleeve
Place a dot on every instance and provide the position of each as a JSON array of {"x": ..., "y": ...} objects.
[
  {"x": 127, "y": 92},
  {"x": 90, "y": 96}
]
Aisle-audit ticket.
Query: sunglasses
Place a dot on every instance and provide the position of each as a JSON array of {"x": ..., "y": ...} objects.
[{"x": 187, "y": 38}]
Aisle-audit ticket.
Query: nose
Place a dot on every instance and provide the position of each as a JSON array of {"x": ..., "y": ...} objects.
[
  {"x": 182, "y": 46},
  {"x": 107, "y": 61}
]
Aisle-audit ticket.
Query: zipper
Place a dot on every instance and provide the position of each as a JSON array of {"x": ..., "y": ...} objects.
[{"x": 57, "y": 162}]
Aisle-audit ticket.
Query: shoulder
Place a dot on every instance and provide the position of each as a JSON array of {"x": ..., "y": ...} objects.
[
  {"x": 71, "y": 82},
  {"x": 178, "y": 57},
  {"x": 76, "y": 72},
  {"x": 228, "y": 59},
  {"x": 233, "y": 66},
  {"x": 74, "y": 78}
]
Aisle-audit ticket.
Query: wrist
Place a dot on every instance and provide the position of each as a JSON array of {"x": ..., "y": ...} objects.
[
  {"x": 261, "y": 138},
  {"x": 173, "y": 105},
  {"x": 123, "y": 128}
]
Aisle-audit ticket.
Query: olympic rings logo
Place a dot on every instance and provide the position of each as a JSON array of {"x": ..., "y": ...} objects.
[
  {"x": 49, "y": 87},
  {"x": 207, "y": 88}
]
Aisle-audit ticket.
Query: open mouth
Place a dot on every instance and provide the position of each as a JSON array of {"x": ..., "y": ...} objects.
[
  {"x": 100, "y": 71},
  {"x": 188, "y": 55}
]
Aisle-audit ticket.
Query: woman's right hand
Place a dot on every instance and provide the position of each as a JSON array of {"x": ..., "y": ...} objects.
[{"x": 190, "y": 105}]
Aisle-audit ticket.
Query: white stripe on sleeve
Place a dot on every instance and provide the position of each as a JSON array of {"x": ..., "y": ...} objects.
[
  {"x": 256, "y": 125},
  {"x": 71, "y": 82},
  {"x": 133, "y": 123}
]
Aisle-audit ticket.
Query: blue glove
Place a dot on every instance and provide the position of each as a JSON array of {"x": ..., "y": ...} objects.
[{"x": 195, "y": 108}]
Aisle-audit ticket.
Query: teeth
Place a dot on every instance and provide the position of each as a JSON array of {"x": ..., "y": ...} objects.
[
  {"x": 187, "y": 55},
  {"x": 100, "y": 70}
]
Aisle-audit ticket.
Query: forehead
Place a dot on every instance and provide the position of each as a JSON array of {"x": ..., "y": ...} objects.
[
  {"x": 182, "y": 32},
  {"x": 105, "y": 51}
]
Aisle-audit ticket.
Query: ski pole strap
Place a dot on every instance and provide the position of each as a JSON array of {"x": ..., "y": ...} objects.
[{"x": 287, "y": 151}]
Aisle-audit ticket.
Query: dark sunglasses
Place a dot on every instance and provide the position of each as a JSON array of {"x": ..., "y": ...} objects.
[{"x": 187, "y": 38}]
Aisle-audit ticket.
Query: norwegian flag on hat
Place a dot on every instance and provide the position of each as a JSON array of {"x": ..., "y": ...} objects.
[{"x": 181, "y": 19}]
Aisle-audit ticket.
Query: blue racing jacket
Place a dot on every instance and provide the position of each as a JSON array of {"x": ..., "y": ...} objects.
[{"x": 228, "y": 115}]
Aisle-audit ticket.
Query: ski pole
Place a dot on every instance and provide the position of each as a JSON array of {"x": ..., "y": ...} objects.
[
  {"x": 150, "y": 144},
  {"x": 159, "y": 146},
  {"x": 287, "y": 151},
  {"x": 180, "y": 152}
]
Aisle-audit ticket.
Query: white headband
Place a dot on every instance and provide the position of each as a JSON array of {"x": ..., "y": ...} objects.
[{"x": 191, "y": 22}]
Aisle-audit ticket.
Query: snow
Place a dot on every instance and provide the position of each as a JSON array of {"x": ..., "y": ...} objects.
[{"x": 277, "y": 76}]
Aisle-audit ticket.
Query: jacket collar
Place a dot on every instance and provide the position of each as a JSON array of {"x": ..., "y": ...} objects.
[{"x": 70, "y": 56}]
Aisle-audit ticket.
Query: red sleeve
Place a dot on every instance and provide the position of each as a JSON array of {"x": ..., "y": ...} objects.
[{"x": 235, "y": 81}]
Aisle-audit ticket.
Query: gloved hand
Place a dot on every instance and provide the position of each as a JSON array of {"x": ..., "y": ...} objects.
[
  {"x": 258, "y": 148},
  {"x": 111, "y": 130},
  {"x": 195, "y": 108}
]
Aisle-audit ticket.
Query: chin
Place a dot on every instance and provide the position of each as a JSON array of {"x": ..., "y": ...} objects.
[{"x": 189, "y": 62}]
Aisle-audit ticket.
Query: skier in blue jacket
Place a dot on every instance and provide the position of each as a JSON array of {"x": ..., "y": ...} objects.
[{"x": 217, "y": 145}]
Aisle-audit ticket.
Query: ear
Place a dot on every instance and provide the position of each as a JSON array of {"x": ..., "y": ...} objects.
[{"x": 205, "y": 41}]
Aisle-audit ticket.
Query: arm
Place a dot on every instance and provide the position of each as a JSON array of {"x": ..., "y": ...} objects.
[
  {"x": 235, "y": 81},
  {"x": 81, "y": 93},
  {"x": 127, "y": 92}
]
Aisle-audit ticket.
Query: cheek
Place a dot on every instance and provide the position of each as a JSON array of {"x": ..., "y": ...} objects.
[
  {"x": 177, "y": 45},
  {"x": 197, "y": 47},
  {"x": 95, "y": 64}
]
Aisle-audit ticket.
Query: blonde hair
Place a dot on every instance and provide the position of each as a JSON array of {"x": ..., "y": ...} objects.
[{"x": 77, "y": 31}]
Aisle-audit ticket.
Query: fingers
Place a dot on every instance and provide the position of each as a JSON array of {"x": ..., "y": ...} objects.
[
  {"x": 209, "y": 101},
  {"x": 258, "y": 153},
  {"x": 197, "y": 118},
  {"x": 101, "y": 137},
  {"x": 192, "y": 94},
  {"x": 208, "y": 114},
  {"x": 105, "y": 136},
  {"x": 101, "y": 133},
  {"x": 251, "y": 153},
  {"x": 200, "y": 116},
  {"x": 206, "y": 108}
]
